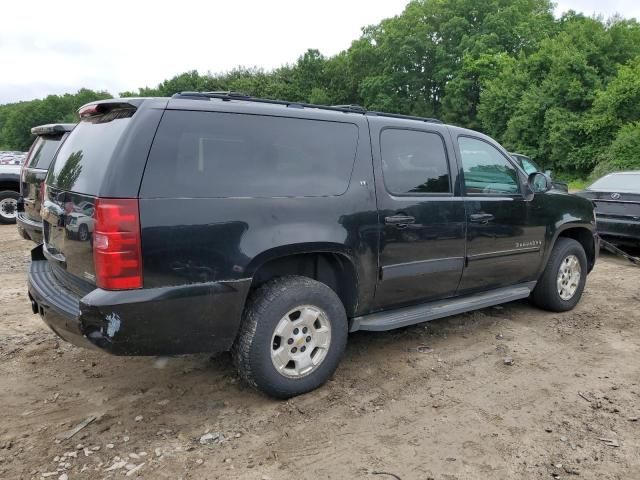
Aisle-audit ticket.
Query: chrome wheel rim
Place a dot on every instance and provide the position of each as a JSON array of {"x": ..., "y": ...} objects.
[
  {"x": 9, "y": 207},
  {"x": 301, "y": 341},
  {"x": 569, "y": 277}
]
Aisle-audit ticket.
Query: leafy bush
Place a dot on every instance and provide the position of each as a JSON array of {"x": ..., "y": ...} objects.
[{"x": 623, "y": 153}]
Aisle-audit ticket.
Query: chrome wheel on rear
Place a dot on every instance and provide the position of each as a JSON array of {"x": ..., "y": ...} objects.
[
  {"x": 569, "y": 277},
  {"x": 9, "y": 208},
  {"x": 300, "y": 341}
]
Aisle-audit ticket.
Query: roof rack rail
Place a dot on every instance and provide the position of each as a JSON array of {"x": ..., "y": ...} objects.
[
  {"x": 406, "y": 117},
  {"x": 226, "y": 96},
  {"x": 229, "y": 95},
  {"x": 352, "y": 108}
]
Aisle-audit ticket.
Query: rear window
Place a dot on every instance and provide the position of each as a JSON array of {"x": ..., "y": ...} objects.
[
  {"x": 84, "y": 157},
  {"x": 212, "y": 154},
  {"x": 414, "y": 162},
  {"x": 44, "y": 149},
  {"x": 623, "y": 182}
]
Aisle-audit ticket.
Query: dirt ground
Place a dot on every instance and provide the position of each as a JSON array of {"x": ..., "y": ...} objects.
[{"x": 436, "y": 400}]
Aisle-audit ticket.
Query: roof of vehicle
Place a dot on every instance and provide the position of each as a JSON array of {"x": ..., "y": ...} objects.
[
  {"x": 238, "y": 102},
  {"x": 52, "y": 128},
  {"x": 234, "y": 102}
]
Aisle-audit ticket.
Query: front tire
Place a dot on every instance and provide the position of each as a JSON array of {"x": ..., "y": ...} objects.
[
  {"x": 292, "y": 336},
  {"x": 8, "y": 206},
  {"x": 561, "y": 285}
]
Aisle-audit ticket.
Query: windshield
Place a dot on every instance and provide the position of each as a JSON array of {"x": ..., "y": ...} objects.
[{"x": 618, "y": 182}]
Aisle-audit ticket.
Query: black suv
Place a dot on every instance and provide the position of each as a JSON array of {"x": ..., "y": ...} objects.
[
  {"x": 48, "y": 140},
  {"x": 272, "y": 229}
]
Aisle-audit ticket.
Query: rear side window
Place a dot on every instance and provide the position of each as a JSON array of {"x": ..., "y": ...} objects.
[
  {"x": 414, "y": 162},
  {"x": 84, "y": 157},
  {"x": 211, "y": 154},
  {"x": 43, "y": 151}
]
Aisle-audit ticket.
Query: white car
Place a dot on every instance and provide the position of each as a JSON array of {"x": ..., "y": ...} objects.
[{"x": 80, "y": 224}]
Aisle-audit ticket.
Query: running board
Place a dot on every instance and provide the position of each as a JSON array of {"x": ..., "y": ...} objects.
[{"x": 402, "y": 317}]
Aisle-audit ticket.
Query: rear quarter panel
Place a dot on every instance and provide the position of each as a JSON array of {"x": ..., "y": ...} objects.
[{"x": 198, "y": 240}]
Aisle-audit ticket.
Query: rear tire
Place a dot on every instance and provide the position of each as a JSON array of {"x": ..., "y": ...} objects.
[
  {"x": 8, "y": 206},
  {"x": 83, "y": 232},
  {"x": 292, "y": 336},
  {"x": 560, "y": 287}
]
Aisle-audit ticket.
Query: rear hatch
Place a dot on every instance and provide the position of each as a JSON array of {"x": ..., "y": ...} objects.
[
  {"x": 49, "y": 138},
  {"x": 78, "y": 226}
]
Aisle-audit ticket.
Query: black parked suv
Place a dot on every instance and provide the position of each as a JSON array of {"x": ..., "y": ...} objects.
[
  {"x": 48, "y": 140},
  {"x": 272, "y": 229}
]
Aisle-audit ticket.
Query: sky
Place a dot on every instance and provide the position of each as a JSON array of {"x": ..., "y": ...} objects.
[{"x": 52, "y": 48}]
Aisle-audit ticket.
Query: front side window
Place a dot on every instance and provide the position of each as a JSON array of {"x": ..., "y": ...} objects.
[
  {"x": 486, "y": 170},
  {"x": 414, "y": 162}
]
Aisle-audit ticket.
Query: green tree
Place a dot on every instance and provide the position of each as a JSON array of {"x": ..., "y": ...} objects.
[
  {"x": 542, "y": 104},
  {"x": 16, "y": 120},
  {"x": 564, "y": 91}
]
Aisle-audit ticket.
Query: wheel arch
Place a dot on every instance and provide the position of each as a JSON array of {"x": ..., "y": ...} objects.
[
  {"x": 10, "y": 182},
  {"x": 330, "y": 264},
  {"x": 581, "y": 233}
]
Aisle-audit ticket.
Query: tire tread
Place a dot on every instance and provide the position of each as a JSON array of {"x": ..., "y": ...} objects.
[
  {"x": 544, "y": 294},
  {"x": 256, "y": 308}
]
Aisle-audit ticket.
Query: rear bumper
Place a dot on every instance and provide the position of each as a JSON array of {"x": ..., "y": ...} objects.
[
  {"x": 156, "y": 321},
  {"x": 29, "y": 229},
  {"x": 619, "y": 228}
]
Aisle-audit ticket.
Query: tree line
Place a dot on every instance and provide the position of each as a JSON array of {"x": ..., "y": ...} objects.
[{"x": 565, "y": 91}]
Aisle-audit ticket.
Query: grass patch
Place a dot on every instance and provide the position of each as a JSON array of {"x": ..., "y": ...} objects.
[{"x": 578, "y": 185}]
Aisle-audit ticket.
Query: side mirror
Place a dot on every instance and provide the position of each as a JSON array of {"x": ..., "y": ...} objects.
[
  {"x": 540, "y": 182},
  {"x": 548, "y": 173}
]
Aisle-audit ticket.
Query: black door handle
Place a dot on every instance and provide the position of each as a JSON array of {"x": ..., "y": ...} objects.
[
  {"x": 481, "y": 217},
  {"x": 400, "y": 221}
]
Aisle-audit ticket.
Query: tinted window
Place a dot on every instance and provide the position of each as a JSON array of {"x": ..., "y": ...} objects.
[
  {"x": 43, "y": 151},
  {"x": 528, "y": 165},
  {"x": 84, "y": 157},
  {"x": 414, "y": 162},
  {"x": 486, "y": 170},
  {"x": 211, "y": 154},
  {"x": 623, "y": 182}
]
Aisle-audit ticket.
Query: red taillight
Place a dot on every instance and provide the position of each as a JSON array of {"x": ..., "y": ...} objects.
[{"x": 116, "y": 244}]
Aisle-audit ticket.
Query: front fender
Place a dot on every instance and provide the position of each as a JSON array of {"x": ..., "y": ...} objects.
[{"x": 574, "y": 213}]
